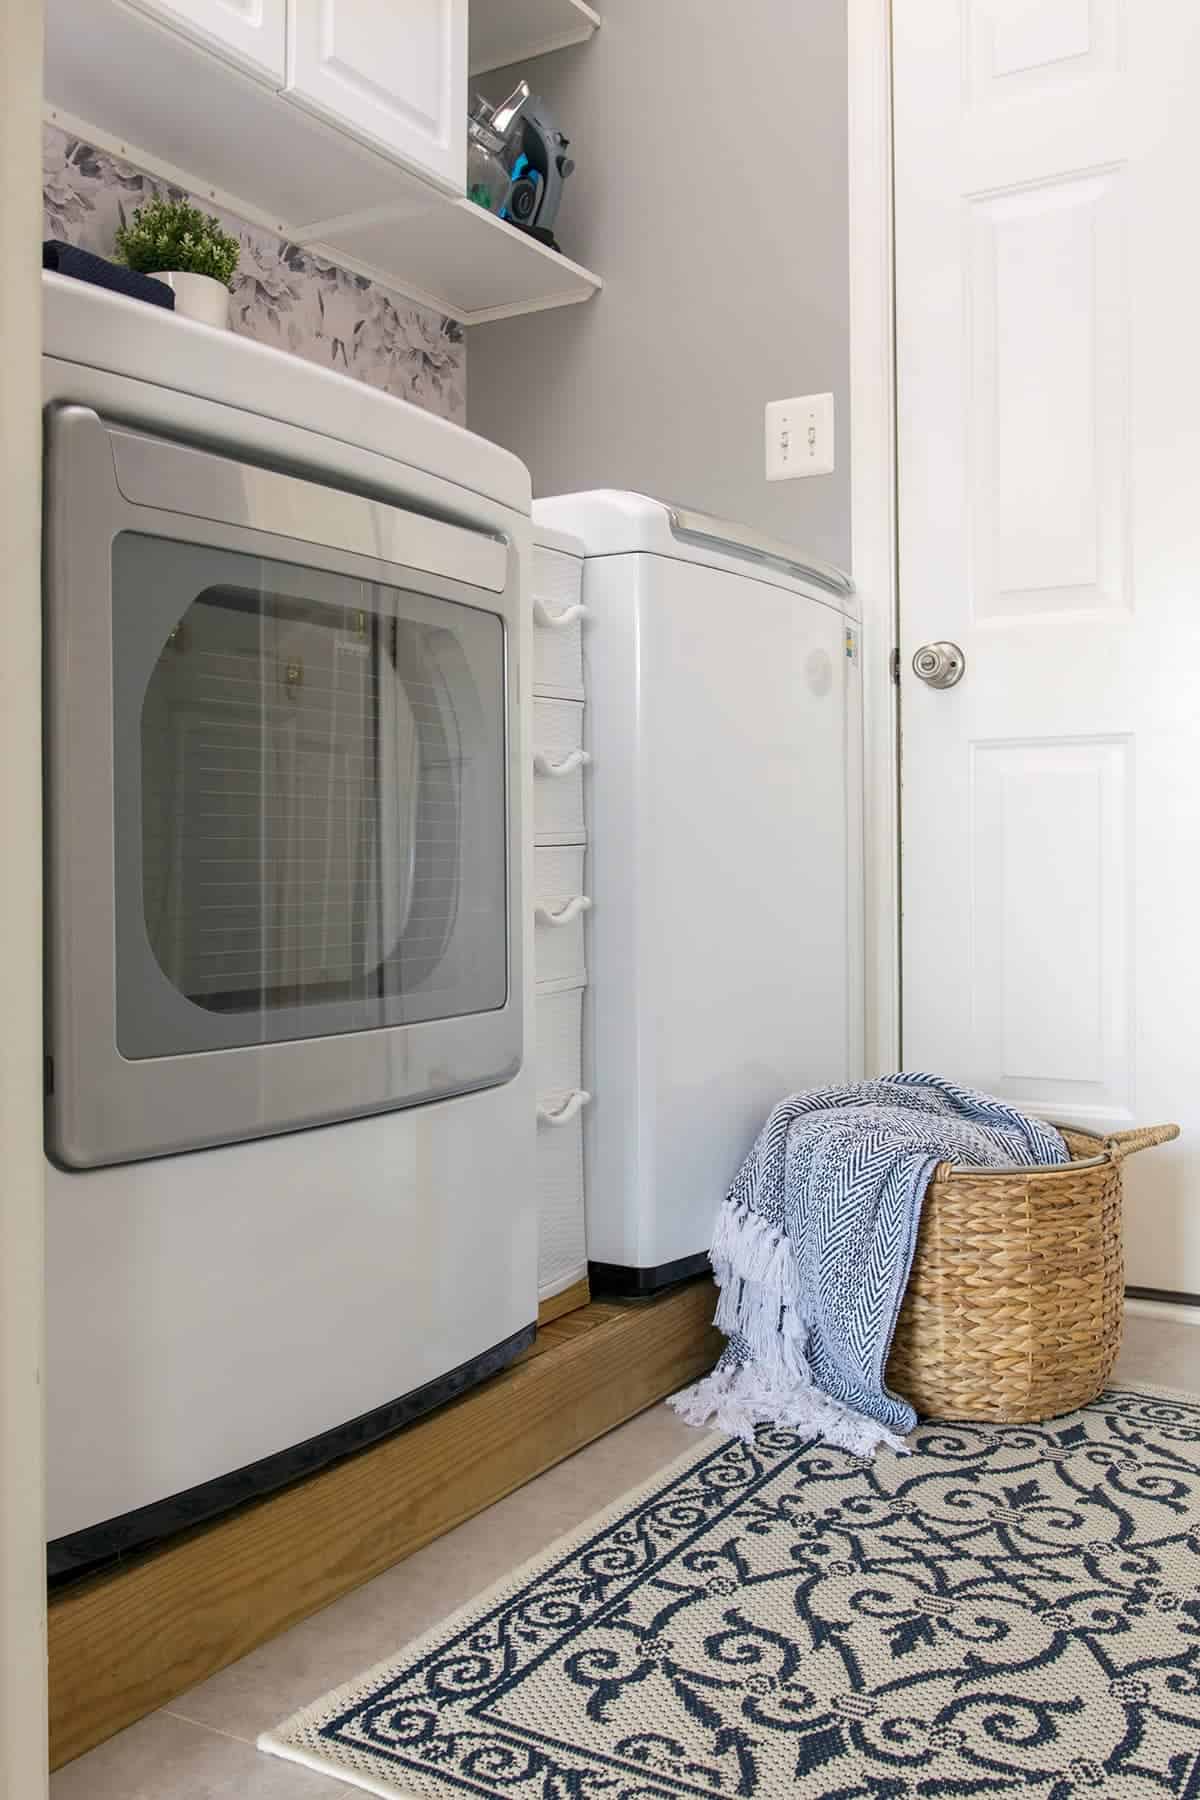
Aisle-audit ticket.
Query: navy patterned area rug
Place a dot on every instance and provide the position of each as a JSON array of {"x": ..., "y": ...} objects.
[{"x": 1010, "y": 1610}]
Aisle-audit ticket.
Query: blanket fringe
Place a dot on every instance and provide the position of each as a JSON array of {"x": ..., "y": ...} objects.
[
  {"x": 771, "y": 1329},
  {"x": 750, "y": 1249},
  {"x": 761, "y": 1308},
  {"x": 737, "y": 1397},
  {"x": 760, "y": 1300}
]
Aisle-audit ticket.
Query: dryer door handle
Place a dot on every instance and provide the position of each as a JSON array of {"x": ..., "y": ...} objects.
[
  {"x": 565, "y": 914},
  {"x": 558, "y": 621},
  {"x": 562, "y": 1115},
  {"x": 574, "y": 759}
]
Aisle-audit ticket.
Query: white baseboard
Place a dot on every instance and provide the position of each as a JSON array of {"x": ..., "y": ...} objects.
[{"x": 1164, "y": 1309}]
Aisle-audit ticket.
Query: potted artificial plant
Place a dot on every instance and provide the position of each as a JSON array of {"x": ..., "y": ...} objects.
[{"x": 177, "y": 243}]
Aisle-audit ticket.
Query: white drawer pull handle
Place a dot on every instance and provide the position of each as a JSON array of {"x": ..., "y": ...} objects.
[
  {"x": 574, "y": 759},
  {"x": 562, "y": 1115},
  {"x": 557, "y": 621},
  {"x": 563, "y": 915}
]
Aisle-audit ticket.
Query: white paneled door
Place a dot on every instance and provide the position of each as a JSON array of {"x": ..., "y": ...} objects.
[{"x": 1048, "y": 362}]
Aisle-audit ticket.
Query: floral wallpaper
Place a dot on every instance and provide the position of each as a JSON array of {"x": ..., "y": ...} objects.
[{"x": 282, "y": 294}]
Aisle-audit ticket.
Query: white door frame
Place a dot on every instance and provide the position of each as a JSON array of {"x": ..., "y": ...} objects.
[
  {"x": 23, "y": 1752},
  {"x": 873, "y": 506}
]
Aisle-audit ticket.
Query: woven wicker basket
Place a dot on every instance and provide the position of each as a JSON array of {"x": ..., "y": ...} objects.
[{"x": 1015, "y": 1302}]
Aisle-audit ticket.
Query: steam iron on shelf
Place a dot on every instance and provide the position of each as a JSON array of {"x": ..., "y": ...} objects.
[{"x": 539, "y": 169}]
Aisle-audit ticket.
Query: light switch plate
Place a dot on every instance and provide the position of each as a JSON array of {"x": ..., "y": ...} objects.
[{"x": 799, "y": 437}]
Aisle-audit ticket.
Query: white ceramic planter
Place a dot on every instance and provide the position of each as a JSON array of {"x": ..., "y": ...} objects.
[{"x": 199, "y": 297}]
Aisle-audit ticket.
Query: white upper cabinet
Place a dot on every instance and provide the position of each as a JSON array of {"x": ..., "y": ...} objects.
[
  {"x": 391, "y": 72},
  {"x": 250, "y": 33}
]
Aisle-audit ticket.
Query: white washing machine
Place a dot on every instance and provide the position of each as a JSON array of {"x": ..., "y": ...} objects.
[
  {"x": 725, "y": 861},
  {"x": 289, "y": 1119}
]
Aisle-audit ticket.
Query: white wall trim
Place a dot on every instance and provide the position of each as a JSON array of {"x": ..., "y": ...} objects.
[
  {"x": 23, "y": 1752},
  {"x": 873, "y": 506}
]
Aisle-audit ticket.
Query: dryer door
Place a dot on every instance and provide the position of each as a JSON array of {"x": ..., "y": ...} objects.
[{"x": 280, "y": 797}]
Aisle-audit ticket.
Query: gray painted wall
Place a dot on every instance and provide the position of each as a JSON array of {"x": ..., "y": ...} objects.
[{"x": 710, "y": 194}]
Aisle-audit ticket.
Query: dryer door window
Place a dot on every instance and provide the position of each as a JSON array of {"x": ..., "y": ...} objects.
[{"x": 309, "y": 787}]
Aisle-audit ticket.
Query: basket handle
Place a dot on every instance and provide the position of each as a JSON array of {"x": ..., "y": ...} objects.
[{"x": 1124, "y": 1143}]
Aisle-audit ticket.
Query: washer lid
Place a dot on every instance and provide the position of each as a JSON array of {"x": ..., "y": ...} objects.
[
  {"x": 612, "y": 523},
  {"x": 102, "y": 330}
]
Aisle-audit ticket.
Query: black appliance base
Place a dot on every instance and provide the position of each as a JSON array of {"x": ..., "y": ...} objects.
[
  {"x": 616, "y": 1278},
  {"x": 97, "y": 1546}
]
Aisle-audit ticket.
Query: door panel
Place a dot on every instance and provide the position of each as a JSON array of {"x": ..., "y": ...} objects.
[
  {"x": 1046, "y": 398},
  {"x": 247, "y": 32},
  {"x": 1050, "y": 848},
  {"x": 1012, "y": 47},
  {"x": 392, "y": 75},
  {"x": 1049, "y": 456}
]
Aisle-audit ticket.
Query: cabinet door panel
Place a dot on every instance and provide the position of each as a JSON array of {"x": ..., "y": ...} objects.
[
  {"x": 392, "y": 75},
  {"x": 249, "y": 33}
]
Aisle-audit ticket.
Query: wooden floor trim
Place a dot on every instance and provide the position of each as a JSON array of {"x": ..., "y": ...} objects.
[
  {"x": 570, "y": 1299},
  {"x": 128, "y": 1642}
]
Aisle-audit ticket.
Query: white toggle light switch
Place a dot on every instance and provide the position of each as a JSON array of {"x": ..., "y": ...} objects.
[{"x": 800, "y": 437}]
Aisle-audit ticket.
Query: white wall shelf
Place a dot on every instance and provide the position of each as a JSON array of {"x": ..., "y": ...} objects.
[
  {"x": 512, "y": 31},
  {"x": 457, "y": 258},
  {"x": 445, "y": 253}
]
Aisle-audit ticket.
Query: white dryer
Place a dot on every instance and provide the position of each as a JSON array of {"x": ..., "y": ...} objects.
[
  {"x": 290, "y": 1118},
  {"x": 724, "y": 833}
]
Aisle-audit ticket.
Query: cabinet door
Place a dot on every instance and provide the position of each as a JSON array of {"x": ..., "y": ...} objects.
[
  {"x": 249, "y": 33},
  {"x": 391, "y": 74}
]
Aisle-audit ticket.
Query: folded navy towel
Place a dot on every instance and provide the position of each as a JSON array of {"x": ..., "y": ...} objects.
[{"x": 68, "y": 259}]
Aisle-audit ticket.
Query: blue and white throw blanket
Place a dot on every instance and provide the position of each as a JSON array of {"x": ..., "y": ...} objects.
[{"x": 813, "y": 1245}]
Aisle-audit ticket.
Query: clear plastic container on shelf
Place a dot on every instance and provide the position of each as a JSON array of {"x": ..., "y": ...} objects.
[{"x": 492, "y": 146}]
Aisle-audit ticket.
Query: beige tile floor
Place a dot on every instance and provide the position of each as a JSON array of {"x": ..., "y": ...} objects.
[{"x": 201, "y": 1747}]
